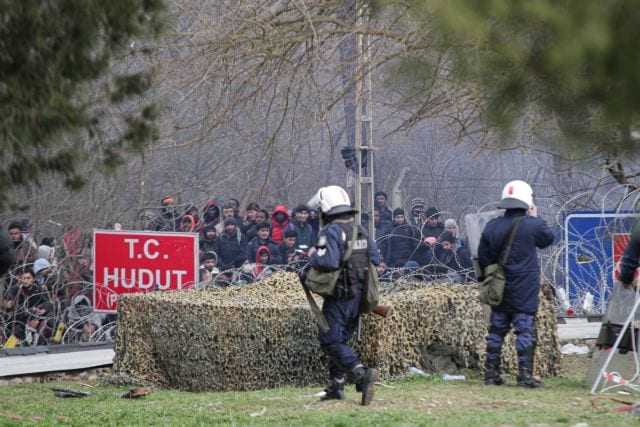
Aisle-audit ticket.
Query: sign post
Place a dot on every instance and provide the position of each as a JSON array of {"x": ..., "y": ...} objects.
[{"x": 127, "y": 262}]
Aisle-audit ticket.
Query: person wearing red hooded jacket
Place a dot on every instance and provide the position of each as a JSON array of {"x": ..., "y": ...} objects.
[
  {"x": 261, "y": 268},
  {"x": 279, "y": 223}
]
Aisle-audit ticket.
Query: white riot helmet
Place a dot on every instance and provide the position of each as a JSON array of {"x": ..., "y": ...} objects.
[
  {"x": 331, "y": 200},
  {"x": 516, "y": 195}
]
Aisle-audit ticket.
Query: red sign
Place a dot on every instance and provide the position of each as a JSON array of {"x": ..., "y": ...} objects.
[
  {"x": 620, "y": 242},
  {"x": 126, "y": 262}
]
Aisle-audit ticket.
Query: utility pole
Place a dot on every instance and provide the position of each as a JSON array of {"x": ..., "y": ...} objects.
[{"x": 364, "y": 194}]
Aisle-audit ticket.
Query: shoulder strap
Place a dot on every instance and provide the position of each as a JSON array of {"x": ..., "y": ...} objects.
[
  {"x": 354, "y": 237},
  {"x": 504, "y": 256}
]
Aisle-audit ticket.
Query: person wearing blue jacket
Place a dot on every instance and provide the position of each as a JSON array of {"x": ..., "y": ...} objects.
[
  {"x": 342, "y": 309},
  {"x": 522, "y": 270}
]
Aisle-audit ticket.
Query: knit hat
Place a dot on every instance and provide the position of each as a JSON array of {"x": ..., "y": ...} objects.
[
  {"x": 432, "y": 213},
  {"x": 398, "y": 211},
  {"x": 301, "y": 208},
  {"x": 414, "y": 203},
  {"x": 263, "y": 225},
  {"x": 229, "y": 221},
  {"x": 290, "y": 233}
]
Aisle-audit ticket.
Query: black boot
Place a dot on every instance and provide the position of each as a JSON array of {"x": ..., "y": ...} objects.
[
  {"x": 525, "y": 369},
  {"x": 492, "y": 371},
  {"x": 335, "y": 390},
  {"x": 365, "y": 379}
]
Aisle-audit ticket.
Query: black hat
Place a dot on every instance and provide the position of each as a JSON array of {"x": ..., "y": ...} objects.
[
  {"x": 229, "y": 221},
  {"x": 290, "y": 233},
  {"x": 447, "y": 237},
  {"x": 432, "y": 212},
  {"x": 398, "y": 211},
  {"x": 301, "y": 208},
  {"x": 262, "y": 225}
]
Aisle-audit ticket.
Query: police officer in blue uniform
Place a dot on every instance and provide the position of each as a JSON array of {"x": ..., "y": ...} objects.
[
  {"x": 522, "y": 270},
  {"x": 342, "y": 310}
]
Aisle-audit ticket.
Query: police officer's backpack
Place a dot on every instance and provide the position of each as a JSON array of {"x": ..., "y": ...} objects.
[{"x": 323, "y": 283}]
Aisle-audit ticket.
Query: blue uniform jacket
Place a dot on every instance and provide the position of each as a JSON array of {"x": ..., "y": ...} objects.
[
  {"x": 329, "y": 257},
  {"x": 522, "y": 268}
]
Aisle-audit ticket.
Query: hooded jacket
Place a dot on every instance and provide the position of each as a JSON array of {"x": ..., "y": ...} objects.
[
  {"x": 259, "y": 267},
  {"x": 210, "y": 213},
  {"x": 256, "y": 243},
  {"x": 278, "y": 228}
]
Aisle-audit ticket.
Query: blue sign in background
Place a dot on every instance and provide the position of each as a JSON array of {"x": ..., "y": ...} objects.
[{"x": 589, "y": 253}]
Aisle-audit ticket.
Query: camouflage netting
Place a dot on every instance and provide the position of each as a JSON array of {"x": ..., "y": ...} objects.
[{"x": 264, "y": 335}]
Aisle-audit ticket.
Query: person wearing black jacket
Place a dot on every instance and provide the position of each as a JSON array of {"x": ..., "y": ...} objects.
[
  {"x": 386, "y": 217},
  {"x": 402, "y": 241},
  {"x": 522, "y": 270},
  {"x": 209, "y": 239},
  {"x": 432, "y": 226},
  {"x": 232, "y": 248}
]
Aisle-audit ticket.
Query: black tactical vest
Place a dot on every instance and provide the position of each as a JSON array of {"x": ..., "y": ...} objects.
[{"x": 358, "y": 263}]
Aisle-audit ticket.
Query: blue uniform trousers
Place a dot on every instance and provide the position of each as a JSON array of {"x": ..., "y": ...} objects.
[
  {"x": 524, "y": 326},
  {"x": 342, "y": 316}
]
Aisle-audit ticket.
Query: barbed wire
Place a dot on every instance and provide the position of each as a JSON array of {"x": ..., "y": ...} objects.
[{"x": 68, "y": 288}]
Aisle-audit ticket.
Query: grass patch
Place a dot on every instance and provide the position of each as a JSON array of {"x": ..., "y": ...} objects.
[{"x": 412, "y": 401}]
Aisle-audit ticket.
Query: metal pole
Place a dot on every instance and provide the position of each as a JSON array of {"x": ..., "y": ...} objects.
[
  {"x": 613, "y": 349},
  {"x": 364, "y": 122},
  {"x": 358, "y": 141}
]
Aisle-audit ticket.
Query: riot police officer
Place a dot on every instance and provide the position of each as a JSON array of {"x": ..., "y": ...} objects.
[
  {"x": 522, "y": 270},
  {"x": 342, "y": 309}
]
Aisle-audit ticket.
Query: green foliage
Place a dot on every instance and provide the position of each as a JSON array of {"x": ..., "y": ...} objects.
[
  {"x": 574, "y": 61},
  {"x": 52, "y": 54},
  {"x": 416, "y": 402}
]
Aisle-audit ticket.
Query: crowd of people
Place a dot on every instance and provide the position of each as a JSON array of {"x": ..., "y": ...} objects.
[
  {"x": 47, "y": 296},
  {"x": 246, "y": 246}
]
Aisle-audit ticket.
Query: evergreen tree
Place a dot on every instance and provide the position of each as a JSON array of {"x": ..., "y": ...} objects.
[
  {"x": 56, "y": 78},
  {"x": 570, "y": 63}
]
